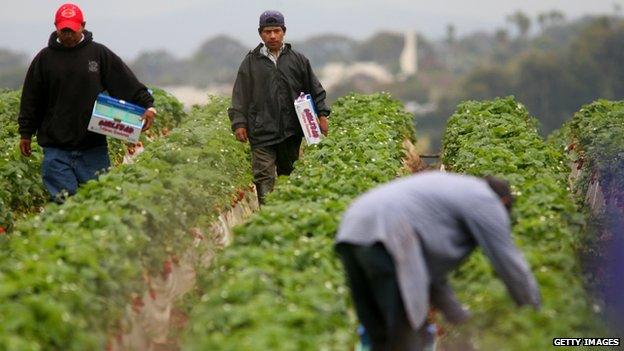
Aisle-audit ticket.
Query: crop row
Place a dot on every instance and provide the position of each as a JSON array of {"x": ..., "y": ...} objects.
[
  {"x": 595, "y": 133},
  {"x": 21, "y": 189},
  {"x": 596, "y": 154},
  {"x": 279, "y": 286},
  {"x": 500, "y": 138},
  {"x": 66, "y": 274}
]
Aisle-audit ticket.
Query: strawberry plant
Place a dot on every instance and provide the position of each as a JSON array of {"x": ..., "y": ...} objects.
[
  {"x": 67, "y": 273},
  {"x": 500, "y": 138},
  {"x": 596, "y": 154},
  {"x": 595, "y": 132},
  {"x": 170, "y": 114},
  {"x": 21, "y": 188},
  {"x": 280, "y": 285},
  {"x": 9, "y": 107}
]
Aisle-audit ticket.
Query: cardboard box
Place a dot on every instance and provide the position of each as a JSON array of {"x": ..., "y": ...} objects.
[
  {"x": 304, "y": 105},
  {"x": 116, "y": 118}
]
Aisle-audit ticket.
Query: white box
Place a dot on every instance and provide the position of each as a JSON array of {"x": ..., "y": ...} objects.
[
  {"x": 308, "y": 119},
  {"x": 116, "y": 118}
]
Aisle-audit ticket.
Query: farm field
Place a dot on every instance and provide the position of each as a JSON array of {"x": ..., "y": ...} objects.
[{"x": 71, "y": 274}]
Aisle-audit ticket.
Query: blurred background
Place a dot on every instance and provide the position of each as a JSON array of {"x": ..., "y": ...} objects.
[{"x": 553, "y": 56}]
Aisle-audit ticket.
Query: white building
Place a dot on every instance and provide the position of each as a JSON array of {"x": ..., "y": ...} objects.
[{"x": 409, "y": 56}]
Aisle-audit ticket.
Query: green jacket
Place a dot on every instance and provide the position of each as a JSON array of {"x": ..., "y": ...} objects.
[{"x": 264, "y": 94}]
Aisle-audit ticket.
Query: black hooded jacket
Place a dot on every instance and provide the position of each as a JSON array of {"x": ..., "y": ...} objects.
[
  {"x": 61, "y": 87},
  {"x": 264, "y": 94}
]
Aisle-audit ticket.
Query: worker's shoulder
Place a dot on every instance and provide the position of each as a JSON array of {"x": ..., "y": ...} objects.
[
  {"x": 463, "y": 180},
  {"x": 453, "y": 186},
  {"x": 297, "y": 54},
  {"x": 445, "y": 179},
  {"x": 101, "y": 47},
  {"x": 254, "y": 51},
  {"x": 43, "y": 52}
]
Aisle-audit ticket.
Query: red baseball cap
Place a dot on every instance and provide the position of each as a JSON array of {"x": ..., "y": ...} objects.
[{"x": 69, "y": 16}]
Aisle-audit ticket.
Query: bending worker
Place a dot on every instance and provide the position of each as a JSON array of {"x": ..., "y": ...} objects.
[{"x": 399, "y": 241}]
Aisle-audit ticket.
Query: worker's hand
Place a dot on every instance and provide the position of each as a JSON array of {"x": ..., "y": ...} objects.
[
  {"x": 241, "y": 134},
  {"x": 444, "y": 300},
  {"x": 24, "y": 146},
  {"x": 148, "y": 117},
  {"x": 324, "y": 124}
]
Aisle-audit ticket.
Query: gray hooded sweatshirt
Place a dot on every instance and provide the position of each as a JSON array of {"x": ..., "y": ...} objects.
[{"x": 429, "y": 223}]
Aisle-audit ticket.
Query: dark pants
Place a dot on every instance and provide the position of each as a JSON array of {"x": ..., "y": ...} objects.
[
  {"x": 64, "y": 170},
  {"x": 268, "y": 162},
  {"x": 371, "y": 276}
]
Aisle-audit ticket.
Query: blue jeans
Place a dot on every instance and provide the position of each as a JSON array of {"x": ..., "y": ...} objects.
[{"x": 64, "y": 170}]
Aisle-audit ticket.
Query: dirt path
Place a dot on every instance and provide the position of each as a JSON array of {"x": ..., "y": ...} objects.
[{"x": 152, "y": 321}]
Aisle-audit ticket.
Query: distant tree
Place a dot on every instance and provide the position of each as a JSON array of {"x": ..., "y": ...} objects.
[
  {"x": 361, "y": 84},
  {"x": 502, "y": 51},
  {"x": 521, "y": 21},
  {"x": 565, "y": 67},
  {"x": 12, "y": 78},
  {"x": 556, "y": 17},
  {"x": 617, "y": 10},
  {"x": 384, "y": 48},
  {"x": 550, "y": 18},
  {"x": 596, "y": 60},
  {"x": 487, "y": 83},
  {"x": 412, "y": 89},
  {"x": 216, "y": 61},
  {"x": 502, "y": 36},
  {"x": 547, "y": 88},
  {"x": 159, "y": 68},
  {"x": 12, "y": 69},
  {"x": 451, "y": 33},
  {"x": 542, "y": 21},
  {"x": 9, "y": 59},
  {"x": 428, "y": 56},
  {"x": 322, "y": 49}
]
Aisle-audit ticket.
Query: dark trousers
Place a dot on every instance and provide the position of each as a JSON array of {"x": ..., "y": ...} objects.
[
  {"x": 268, "y": 162},
  {"x": 371, "y": 276}
]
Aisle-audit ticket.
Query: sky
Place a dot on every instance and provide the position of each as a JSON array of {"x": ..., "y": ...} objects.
[{"x": 130, "y": 27}]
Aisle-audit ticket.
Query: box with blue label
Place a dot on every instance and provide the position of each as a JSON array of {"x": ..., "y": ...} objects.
[{"x": 116, "y": 118}]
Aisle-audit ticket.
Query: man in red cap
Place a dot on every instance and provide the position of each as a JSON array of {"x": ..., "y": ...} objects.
[{"x": 60, "y": 88}]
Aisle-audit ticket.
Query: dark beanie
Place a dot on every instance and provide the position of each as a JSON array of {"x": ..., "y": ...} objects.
[{"x": 271, "y": 18}]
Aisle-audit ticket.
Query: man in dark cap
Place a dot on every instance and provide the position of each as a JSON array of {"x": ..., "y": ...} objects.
[
  {"x": 269, "y": 80},
  {"x": 399, "y": 241},
  {"x": 60, "y": 88}
]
